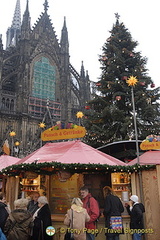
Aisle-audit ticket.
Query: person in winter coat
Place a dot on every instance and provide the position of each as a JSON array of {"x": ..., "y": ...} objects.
[
  {"x": 80, "y": 216},
  {"x": 112, "y": 207},
  {"x": 33, "y": 203},
  {"x": 92, "y": 207},
  {"x": 3, "y": 211},
  {"x": 135, "y": 210},
  {"x": 19, "y": 223},
  {"x": 42, "y": 220}
]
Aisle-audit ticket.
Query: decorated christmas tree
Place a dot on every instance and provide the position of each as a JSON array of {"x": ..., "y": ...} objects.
[{"x": 109, "y": 116}]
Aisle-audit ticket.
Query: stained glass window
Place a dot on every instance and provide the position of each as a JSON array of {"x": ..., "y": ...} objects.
[{"x": 44, "y": 78}]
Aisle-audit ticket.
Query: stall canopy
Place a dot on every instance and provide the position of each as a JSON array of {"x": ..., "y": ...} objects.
[
  {"x": 6, "y": 161},
  {"x": 147, "y": 158},
  {"x": 70, "y": 152}
]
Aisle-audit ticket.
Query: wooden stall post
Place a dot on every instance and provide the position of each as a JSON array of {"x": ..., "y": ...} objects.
[
  {"x": 135, "y": 186},
  {"x": 12, "y": 187},
  {"x": 151, "y": 202},
  {"x": 158, "y": 180}
]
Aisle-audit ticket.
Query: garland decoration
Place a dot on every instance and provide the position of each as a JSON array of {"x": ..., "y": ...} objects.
[{"x": 52, "y": 167}]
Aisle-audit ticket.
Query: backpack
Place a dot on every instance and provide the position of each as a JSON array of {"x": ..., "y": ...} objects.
[{"x": 2, "y": 236}]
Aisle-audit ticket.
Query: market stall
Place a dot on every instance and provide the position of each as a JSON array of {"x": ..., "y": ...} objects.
[
  {"x": 5, "y": 161},
  {"x": 9, "y": 186},
  {"x": 148, "y": 172},
  {"x": 58, "y": 170}
]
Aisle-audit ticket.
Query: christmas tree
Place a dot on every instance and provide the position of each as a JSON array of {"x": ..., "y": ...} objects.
[{"x": 110, "y": 115}]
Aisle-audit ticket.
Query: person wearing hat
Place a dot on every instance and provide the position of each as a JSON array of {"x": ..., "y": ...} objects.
[{"x": 136, "y": 210}]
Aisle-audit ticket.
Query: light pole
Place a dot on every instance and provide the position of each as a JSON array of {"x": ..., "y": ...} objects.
[
  {"x": 12, "y": 134},
  {"x": 41, "y": 125},
  {"x": 16, "y": 148},
  {"x": 79, "y": 115},
  {"x": 132, "y": 81},
  {"x": 135, "y": 124}
]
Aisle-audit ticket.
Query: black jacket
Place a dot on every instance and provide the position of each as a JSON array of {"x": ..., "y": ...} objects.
[
  {"x": 112, "y": 207},
  {"x": 32, "y": 207},
  {"x": 136, "y": 215},
  {"x": 41, "y": 222},
  {"x": 3, "y": 215}
]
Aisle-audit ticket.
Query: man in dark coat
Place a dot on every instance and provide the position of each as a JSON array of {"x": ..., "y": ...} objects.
[
  {"x": 136, "y": 210},
  {"x": 33, "y": 204},
  {"x": 3, "y": 211},
  {"x": 112, "y": 207}
]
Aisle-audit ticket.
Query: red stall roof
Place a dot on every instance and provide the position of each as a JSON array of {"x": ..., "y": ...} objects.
[
  {"x": 70, "y": 152},
  {"x": 147, "y": 158},
  {"x": 6, "y": 161}
]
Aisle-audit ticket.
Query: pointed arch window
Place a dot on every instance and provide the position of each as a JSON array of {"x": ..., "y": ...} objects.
[
  {"x": 12, "y": 105},
  {"x": 44, "y": 79},
  {"x": 7, "y": 103},
  {"x": 3, "y": 103}
]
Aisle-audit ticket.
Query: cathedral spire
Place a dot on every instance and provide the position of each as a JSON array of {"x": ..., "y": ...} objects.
[
  {"x": 14, "y": 31},
  {"x": 16, "y": 23},
  {"x": 64, "y": 37},
  {"x": 46, "y": 6},
  {"x": 1, "y": 45},
  {"x": 27, "y": 6},
  {"x": 82, "y": 70},
  {"x": 25, "y": 28},
  {"x": 64, "y": 24}
]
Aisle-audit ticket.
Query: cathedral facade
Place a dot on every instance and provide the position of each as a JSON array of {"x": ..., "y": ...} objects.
[{"x": 37, "y": 81}]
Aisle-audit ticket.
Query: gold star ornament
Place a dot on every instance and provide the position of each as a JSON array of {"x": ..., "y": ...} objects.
[
  {"x": 17, "y": 143},
  {"x": 42, "y": 125},
  {"x": 79, "y": 114},
  {"x": 12, "y": 134},
  {"x": 132, "y": 81}
]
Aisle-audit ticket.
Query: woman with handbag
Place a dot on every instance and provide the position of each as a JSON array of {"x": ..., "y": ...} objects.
[
  {"x": 113, "y": 208},
  {"x": 75, "y": 220}
]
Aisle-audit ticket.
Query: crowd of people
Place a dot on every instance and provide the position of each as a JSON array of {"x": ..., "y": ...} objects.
[
  {"x": 85, "y": 212},
  {"x": 30, "y": 218}
]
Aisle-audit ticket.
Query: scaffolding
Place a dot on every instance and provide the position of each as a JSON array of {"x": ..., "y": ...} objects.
[{"x": 37, "y": 108}]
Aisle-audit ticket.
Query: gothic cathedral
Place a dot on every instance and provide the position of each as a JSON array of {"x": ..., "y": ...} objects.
[{"x": 37, "y": 81}]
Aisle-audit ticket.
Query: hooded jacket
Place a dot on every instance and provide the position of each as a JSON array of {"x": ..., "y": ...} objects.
[
  {"x": 136, "y": 214},
  {"x": 91, "y": 205},
  {"x": 18, "y": 225},
  {"x": 80, "y": 216}
]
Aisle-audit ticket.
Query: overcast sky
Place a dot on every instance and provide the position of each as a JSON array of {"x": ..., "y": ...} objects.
[{"x": 89, "y": 23}]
